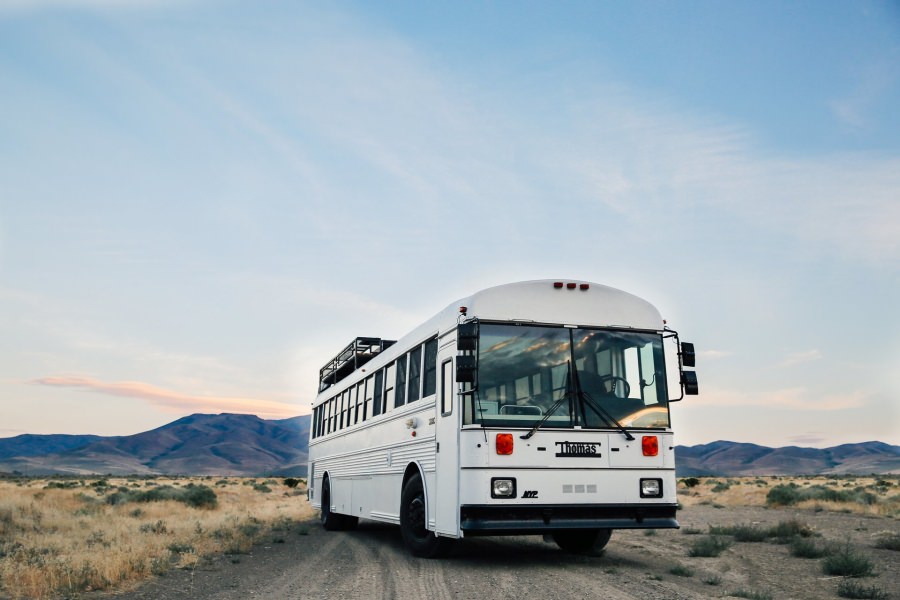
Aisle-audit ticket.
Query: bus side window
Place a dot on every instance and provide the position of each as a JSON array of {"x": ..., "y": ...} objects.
[
  {"x": 430, "y": 370},
  {"x": 389, "y": 378},
  {"x": 330, "y": 415},
  {"x": 348, "y": 406},
  {"x": 367, "y": 398},
  {"x": 377, "y": 393},
  {"x": 400, "y": 388},
  {"x": 446, "y": 387},
  {"x": 415, "y": 369}
]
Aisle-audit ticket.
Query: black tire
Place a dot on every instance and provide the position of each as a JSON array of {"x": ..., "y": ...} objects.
[
  {"x": 419, "y": 541},
  {"x": 330, "y": 521},
  {"x": 582, "y": 541}
]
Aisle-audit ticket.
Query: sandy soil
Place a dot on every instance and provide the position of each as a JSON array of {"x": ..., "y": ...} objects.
[{"x": 371, "y": 562}]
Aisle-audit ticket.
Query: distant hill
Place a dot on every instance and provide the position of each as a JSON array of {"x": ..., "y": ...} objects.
[
  {"x": 731, "y": 458},
  {"x": 230, "y": 444},
  {"x": 224, "y": 444}
]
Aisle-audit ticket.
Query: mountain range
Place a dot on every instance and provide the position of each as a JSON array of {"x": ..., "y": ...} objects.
[
  {"x": 232, "y": 444},
  {"x": 224, "y": 444}
]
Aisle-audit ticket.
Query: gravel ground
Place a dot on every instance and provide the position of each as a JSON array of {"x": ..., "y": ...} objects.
[{"x": 371, "y": 562}]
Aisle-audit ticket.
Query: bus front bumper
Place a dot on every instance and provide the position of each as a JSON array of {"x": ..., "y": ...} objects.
[{"x": 493, "y": 519}]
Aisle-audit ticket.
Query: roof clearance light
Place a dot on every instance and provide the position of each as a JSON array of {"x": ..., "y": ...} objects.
[
  {"x": 650, "y": 445},
  {"x": 504, "y": 443},
  {"x": 571, "y": 286},
  {"x": 584, "y": 286},
  {"x": 558, "y": 284}
]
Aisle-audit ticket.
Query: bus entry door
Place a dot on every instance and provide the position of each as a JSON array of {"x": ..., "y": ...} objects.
[{"x": 447, "y": 458}]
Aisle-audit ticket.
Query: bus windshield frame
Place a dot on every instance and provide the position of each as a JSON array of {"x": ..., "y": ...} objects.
[{"x": 558, "y": 375}]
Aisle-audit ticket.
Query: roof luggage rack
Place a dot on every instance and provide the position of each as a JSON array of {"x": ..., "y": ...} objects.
[{"x": 356, "y": 354}]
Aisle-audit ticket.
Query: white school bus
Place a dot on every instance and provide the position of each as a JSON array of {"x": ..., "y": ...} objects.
[{"x": 539, "y": 407}]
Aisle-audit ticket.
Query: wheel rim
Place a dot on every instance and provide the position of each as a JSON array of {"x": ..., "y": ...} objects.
[{"x": 416, "y": 514}]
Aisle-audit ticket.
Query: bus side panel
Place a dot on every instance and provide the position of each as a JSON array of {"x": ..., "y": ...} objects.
[{"x": 365, "y": 467}]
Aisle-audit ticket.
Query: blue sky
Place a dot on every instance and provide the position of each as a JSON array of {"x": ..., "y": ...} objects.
[{"x": 200, "y": 202}]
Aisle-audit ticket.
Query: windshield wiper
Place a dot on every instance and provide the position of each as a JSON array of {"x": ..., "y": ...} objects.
[
  {"x": 601, "y": 412},
  {"x": 568, "y": 394}
]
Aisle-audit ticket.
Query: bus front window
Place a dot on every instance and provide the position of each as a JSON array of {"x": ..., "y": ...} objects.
[{"x": 527, "y": 373}]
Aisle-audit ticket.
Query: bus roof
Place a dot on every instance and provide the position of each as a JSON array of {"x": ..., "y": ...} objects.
[{"x": 545, "y": 301}]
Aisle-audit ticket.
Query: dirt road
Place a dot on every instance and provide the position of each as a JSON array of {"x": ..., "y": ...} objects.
[{"x": 371, "y": 562}]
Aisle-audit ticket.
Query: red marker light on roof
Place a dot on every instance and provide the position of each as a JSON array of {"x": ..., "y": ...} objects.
[
  {"x": 504, "y": 443},
  {"x": 558, "y": 284},
  {"x": 650, "y": 445},
  {"x": 585, "y": 286},
  {"x": 571, "y": 286}
]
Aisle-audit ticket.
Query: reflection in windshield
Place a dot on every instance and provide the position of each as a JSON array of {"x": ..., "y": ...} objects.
[{"x": 524, "y": 375}]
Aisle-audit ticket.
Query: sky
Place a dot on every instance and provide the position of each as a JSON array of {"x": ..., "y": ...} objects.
[{"x": 201, "y": 202}]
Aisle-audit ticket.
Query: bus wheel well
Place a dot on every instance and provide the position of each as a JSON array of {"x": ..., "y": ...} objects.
[{"x": 411, "y": 469}]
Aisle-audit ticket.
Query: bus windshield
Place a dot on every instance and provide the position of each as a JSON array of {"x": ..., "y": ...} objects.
[{"x": 560, "y": 374}]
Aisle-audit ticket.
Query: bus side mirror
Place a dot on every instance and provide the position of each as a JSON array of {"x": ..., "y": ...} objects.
[
  {"x": 689, "y": 381},
  {"x": 467, "y": 336},
  {"x": 688, "y": 358},
  {"x": 466, "y": 367}
]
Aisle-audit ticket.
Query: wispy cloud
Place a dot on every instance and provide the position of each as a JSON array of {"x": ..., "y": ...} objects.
[
  {"x": 797, "y": 398},
  {"x": 714, "y": 354},
  {"x": 874, "y": 82},
  {"x": 27, "y": 6},
  {"x": 814, "y": 438},
  {"x": 171, "y": 401},
  {"x": 797, "y": 358}
]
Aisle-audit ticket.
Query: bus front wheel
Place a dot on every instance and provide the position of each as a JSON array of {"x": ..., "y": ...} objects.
[
  {"x": 418, "y": 539},
  {"x": 582, "y": 541}
]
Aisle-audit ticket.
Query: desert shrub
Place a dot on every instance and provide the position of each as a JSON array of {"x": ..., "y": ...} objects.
[
  {"x": 790, "y": 529},
  {"x": 783, "y": 495},
  {"x": 690, "y": 482},
  {"x": 61, "y": 485},
  {"x": 681, "y": 571},
  {"x": 712, "y": 579},
  {"x": 262, "y": 487},
  {"x": 806, "y": 548},
  {"x": 720, "y": 487},
  {"x": 180, "y": 548},
  {"x": 159, "y": 527},
  {"x": 198, "y": 496},
  {"x": 741, "y": 533},
  {"x": 709, "y": 546},
  {"x": 889, "y": 542},
  {"x": 691, "y": 530},
  {"x": 787, "y": 495},
  {"x": 853, "y": 589},
  {"x": 847, "y": 562},
  {"x": 752, "y": 594},
  {"x": 291, "y": 482}
]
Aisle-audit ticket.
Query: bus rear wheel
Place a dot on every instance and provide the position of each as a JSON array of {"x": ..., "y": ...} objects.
[
  {"x": 418, "y": 539},
  {"x": 582, "y": 541},
  {"x": 333, "y": 521}
]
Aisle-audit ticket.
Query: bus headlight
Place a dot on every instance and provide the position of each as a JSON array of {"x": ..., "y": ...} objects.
[
  {"x": 504, "y": 487},
  {"x": 651, "y": 488}
]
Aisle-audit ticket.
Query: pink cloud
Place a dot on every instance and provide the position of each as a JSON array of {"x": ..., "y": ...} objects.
[{"x": 174, "y": 402}]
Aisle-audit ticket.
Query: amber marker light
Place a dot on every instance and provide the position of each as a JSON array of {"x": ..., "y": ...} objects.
[
  {"x": 650, "y": 445},
  {"x": 504, "y": 443}
]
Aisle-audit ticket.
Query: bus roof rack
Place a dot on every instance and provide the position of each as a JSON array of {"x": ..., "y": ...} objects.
[{"x": 356, "y": 354}]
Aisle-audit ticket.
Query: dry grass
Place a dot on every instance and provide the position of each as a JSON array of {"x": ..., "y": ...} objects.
[
  {"x": 65, "y": 540},
  {"x": 876, "y": 496}
]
